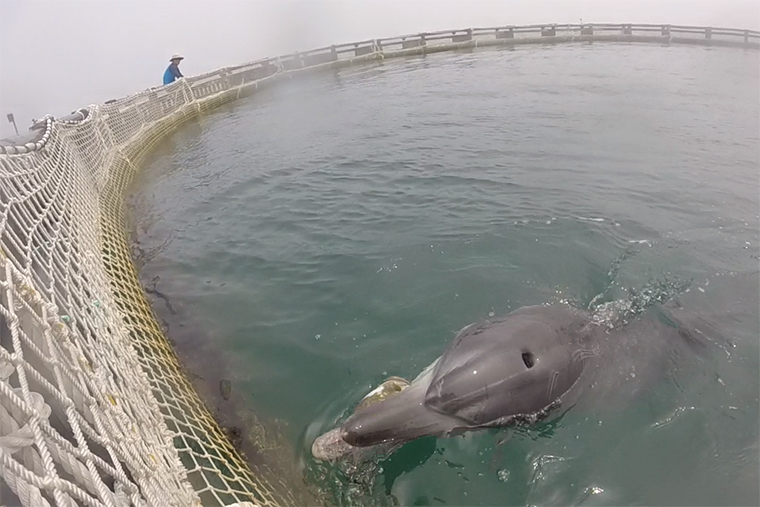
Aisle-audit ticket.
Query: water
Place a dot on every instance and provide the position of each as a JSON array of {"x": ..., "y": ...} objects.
[{"x": 334, "y": 230}]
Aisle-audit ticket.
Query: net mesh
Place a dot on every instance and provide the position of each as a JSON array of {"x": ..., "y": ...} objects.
[{"x": 94, "y": 407}]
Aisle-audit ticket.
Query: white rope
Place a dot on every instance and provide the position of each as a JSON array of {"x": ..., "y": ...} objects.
[{"x": 80, "y": 423}]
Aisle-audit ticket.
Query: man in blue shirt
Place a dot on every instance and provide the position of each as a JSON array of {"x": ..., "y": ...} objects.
[{"x": 172, "y": 71}]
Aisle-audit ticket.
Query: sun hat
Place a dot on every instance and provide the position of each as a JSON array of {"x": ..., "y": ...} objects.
[{"x": 176, "y": 56}]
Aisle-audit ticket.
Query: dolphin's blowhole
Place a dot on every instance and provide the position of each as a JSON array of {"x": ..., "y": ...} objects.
[{"x": 529, "y": 359}]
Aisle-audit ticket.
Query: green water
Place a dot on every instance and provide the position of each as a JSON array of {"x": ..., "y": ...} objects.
[{"x": 333, "y": 230}]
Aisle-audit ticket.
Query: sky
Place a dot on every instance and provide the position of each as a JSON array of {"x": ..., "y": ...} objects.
[{"x": 57, "y": 56}]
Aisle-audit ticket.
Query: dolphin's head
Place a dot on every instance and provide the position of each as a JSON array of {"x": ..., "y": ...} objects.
[
  {"x": 517, "y": 366},
  {"x": 492, "y": 373}
]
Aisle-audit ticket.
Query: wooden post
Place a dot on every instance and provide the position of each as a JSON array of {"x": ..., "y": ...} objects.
[{"x": 13, "y": 121}]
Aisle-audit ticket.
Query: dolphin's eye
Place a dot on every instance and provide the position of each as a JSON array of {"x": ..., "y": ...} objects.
[{"x": 528, "y": 359}]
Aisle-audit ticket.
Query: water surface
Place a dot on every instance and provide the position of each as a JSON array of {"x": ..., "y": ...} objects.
[{"x": 337, "y": 229}]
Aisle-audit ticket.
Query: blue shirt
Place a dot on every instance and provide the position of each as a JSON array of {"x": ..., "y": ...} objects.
[{"x": 172, "y": 73}]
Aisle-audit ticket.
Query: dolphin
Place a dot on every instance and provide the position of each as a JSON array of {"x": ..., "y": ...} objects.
[{"x": 520, "y": 368}]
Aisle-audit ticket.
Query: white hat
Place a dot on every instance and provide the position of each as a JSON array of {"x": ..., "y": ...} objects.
[{"x": 176, "y": 56}]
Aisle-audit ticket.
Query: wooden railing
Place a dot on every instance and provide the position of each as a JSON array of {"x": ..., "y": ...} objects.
[{"x": 241, "y": 79}]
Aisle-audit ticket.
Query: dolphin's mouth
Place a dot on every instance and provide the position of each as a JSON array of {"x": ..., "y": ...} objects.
[
  {"x": 335, "y": 445},
  {"x": 330, "y": 446}
]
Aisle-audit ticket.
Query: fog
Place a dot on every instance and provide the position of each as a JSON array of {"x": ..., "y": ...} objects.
[{"x": 57, "y": 56}]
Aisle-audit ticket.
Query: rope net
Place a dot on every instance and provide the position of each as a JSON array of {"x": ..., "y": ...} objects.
[{"x": 94, "y": 407}]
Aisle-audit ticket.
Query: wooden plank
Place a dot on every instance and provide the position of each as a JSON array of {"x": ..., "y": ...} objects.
[
  {"x": 406, "y": 44},
  {"x": 467, "y": 36}
]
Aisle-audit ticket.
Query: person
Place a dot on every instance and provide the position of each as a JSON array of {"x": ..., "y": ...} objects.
[{"x": 172, "y": 71}]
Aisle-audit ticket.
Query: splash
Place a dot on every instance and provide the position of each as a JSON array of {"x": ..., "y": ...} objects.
[{"x": 622, "y": 311}]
